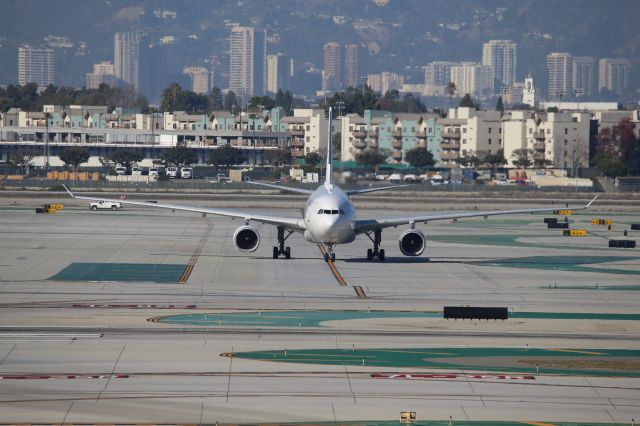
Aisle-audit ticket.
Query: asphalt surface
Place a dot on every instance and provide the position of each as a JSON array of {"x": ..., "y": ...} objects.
[{"x": 76, "y": 348}]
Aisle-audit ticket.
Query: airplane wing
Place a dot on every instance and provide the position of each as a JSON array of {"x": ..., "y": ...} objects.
[
  {"x": 363, "y": 226},
  {"x": 365, "y": 190},
  {"x": 284, "y": 188},
  {"x": 297, "y": 225}
]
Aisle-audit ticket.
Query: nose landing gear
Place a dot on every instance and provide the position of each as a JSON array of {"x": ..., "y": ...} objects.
[
  {"x": 376, "y": 251},
  {"x": 329, "y": 255},
  {"x": 280, "y": 249}
]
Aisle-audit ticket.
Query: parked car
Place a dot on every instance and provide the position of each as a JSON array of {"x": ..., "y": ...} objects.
[
  {"x": 410, "y": 178},
  {"x": 136, "y": 171},
  {"x": 395, "y": 178},
  {"x": 186, "y": 173},
  {"x": 121, "y": 170},
  {"x": 172, "y": 172},
  {"x": 105, "y": 205},
  {"x": 154, "y": 171}
]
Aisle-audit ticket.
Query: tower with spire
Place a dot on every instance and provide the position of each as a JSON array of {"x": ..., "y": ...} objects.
[{"x": 529, "y": 92}]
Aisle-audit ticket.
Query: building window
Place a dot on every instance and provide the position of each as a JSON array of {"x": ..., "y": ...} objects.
[
  {"x": 566, "y": 131},
  {"x": 499, "y": 141},
  {"x": 351, "y": 128},
  {"x": 548, "y": 131},
  {"x": 500, "y": 131},
  {"x": 464, "y": 141},
  {"x": 464, "y": 130},
  {"x": 530, "y": 130},
  {"x": 489, "y": 130},
  {"x": 308, "y": 127},
  {"x": 413, "y": 129},
  {"x": 489, "y": 141}
]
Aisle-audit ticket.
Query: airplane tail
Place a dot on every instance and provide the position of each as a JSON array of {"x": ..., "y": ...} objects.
[{"x": 328, "y": 180}]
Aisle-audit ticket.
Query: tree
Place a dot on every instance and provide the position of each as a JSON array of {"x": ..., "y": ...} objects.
[
  {"x": 278, "y": 157},
  {"x": 522, "y": 158},
  {"x": 285, "y": 100},
  {"x": 467, "y": 101},
  {"x": 226, "y": 156},
  {"x": 217, "y": 102},
  {"x": 179, "y": 156},
  {"x": 451, "y": 90},
  {"x": 420, "y": 158},
  {"x": 313, "y": 158},
  {"x": 336, "y": 142},
  {"x": 500, "y": 105},
  {"x": 609, "y": 165},
  {"x": 170, "y": 97},
  {"x": 495, "y": 160},
  {"x": 22, "y": 158},
  {"x": 74, "y": 156},
  {"x": 371, "y": 158},
  {"x": 261, "y": 102},
  {"x": 469, "y": 159},
  {"x": 126, "y": 156},
  {"x": 230, "y": 101}
]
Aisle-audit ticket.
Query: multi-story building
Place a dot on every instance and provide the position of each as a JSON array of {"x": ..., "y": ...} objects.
[
  {"x": 529, "y": 92},
  {"x": 560, "y": 78},
  {"x": 584, "y": 78},
  {"x": 502, "y": 56},
  {"x": 35, "y": 66},
  {"x": 437, "y": 75},
  {"x": 248, "y": 61},
  {"x": 614, "y": 75},
  {"x": 332, "y": 68},
  {"x": 395, "y": 132},
  {"x": 385, "y": 81},
  {"x": 103, "y": 72},
  {"x": 473, "y": 78},
  {"x": 308, "y": 129},
  {"x": 350, "y": 65},
  {"x": 126, "y": 58},
  {"x": 279, "y": 72},
  {"x": 199, "y": 79}
]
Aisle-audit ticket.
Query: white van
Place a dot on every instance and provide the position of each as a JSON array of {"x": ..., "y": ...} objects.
[
  {"x": 121, "y": 170},
  {"x": 186, "y": 173},
  {"x": 136, "y": 171},
  {"x": 395, "y": 178},
  {"x": 154, "y": 171},
  {"x": 172, "y": 172}
]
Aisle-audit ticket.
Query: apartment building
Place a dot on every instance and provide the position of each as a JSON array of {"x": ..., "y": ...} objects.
[
  {"x": 248, "y": 61},
  {"x": 35, "y": 65},
  {"x": 308, "y": 129},
  {"x": 199, "y": 77},
  {"x": 473, "y": 78},
  {"x": 560, "y": 75},
  {"x": 103, "y": 73},
  {"x": 385, "y": 81},
  {"x": 584, "y": 76},
  {"x": 614, "y": 75},
  {"x": 126, "y": 57},
  {"x": 502, "y": 56}
]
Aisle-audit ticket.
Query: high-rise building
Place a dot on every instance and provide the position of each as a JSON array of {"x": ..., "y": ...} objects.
[
  {"x": 350, "y": 65},
  {"x": 35, "y": 66},
  {"x": 199, "y": 79},
  {"x": 502, "y": 56},
  {"x": 559, "y": 71},
  {"x": 614, "y": 75},
  {"x": 126, "y": 58},
  {"x": 248, "y": 61},
  {"x": 438, "y": 73},
  {"x": 103, "y": 72},
  {"x": 473, "y": 78},
  {"x": 332, "y": 69},
  {"x": 279, "y": 72},
  {"x": 385, "y": 81},
  {"x": 584, "y": 75}
]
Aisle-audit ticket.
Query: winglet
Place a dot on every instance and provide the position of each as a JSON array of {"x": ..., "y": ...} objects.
[
  {"x": 67, "y": 189},
  {"x": 328, "y": 179},
  {"x": 590, "y": 202}
]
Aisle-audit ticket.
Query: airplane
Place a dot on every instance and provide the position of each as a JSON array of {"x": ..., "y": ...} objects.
[{"x": 329, "y": 219}]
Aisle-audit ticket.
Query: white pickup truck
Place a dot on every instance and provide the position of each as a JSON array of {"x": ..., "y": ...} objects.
[{"x": 105, "y": 205}]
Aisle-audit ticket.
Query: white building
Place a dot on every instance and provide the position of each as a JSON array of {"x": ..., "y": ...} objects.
[
  {"x": 308, "y": 128},
  {"x": 35, "y": 66},
  {"x": 473, "y": 78},
  {"x": 560, "y": 73},
  {"x": 279, "y": 72},
  {"x": 199, "y": 79},
  {"x": 437, "y": 75},
  {"x": 529, "y": 92},
  {"x": 614, "y": 75},
  {"x": 248, "y": 61},
  {"x": 385, "y": 81},
  {"x": 126, "y": 58},
  {"x": 502, "y": 56},
  {"x": 103, "y": 72}
]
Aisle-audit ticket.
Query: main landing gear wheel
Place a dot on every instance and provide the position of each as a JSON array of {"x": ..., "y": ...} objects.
[
  {"x": 280, "y": 249},
  {"x": 376, "y": 251},
  {"x": 330, "y": 257}
]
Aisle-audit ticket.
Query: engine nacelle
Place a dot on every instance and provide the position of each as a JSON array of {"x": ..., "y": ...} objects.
[
  {"x": 246, "y": 238},
  {"x": 412, "y": 242}
]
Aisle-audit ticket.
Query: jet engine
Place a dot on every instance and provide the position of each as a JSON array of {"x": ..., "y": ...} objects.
[
  {"x": 412, "y": 242},
  {"x": 246, "y": 238}
]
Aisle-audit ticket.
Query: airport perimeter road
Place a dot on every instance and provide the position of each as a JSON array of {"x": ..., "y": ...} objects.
[{"x": 151, "y": 316}]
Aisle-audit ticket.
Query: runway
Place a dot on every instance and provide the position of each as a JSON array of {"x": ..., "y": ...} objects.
[{"x": 134, "y": 338}]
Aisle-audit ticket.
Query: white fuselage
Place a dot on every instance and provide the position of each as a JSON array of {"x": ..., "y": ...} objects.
[{"x": 329, "y": 216}]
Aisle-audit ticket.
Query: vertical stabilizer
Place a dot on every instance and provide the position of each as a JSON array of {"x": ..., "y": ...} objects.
[{"x": 328, "y": 180}]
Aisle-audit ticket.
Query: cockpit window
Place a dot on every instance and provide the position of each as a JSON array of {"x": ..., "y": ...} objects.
[
  {"x": 341, "y": 211},
  {"x": 320, "y": 211},
  {"x": 334, "y": 211},
  {"x": 327, "y": 212}
]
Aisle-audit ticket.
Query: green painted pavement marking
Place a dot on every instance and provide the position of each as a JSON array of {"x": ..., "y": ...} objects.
[
  {"x": 563, "y": 263},
  {"x": 606, "y": 362},
  {"x": 512, "y": 241},
  {"x": 315, "y": 318},
  {"x": 134, "y": 272}
]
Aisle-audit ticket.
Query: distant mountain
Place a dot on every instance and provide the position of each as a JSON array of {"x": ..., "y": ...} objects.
[{"x": 398, "y": 35}]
